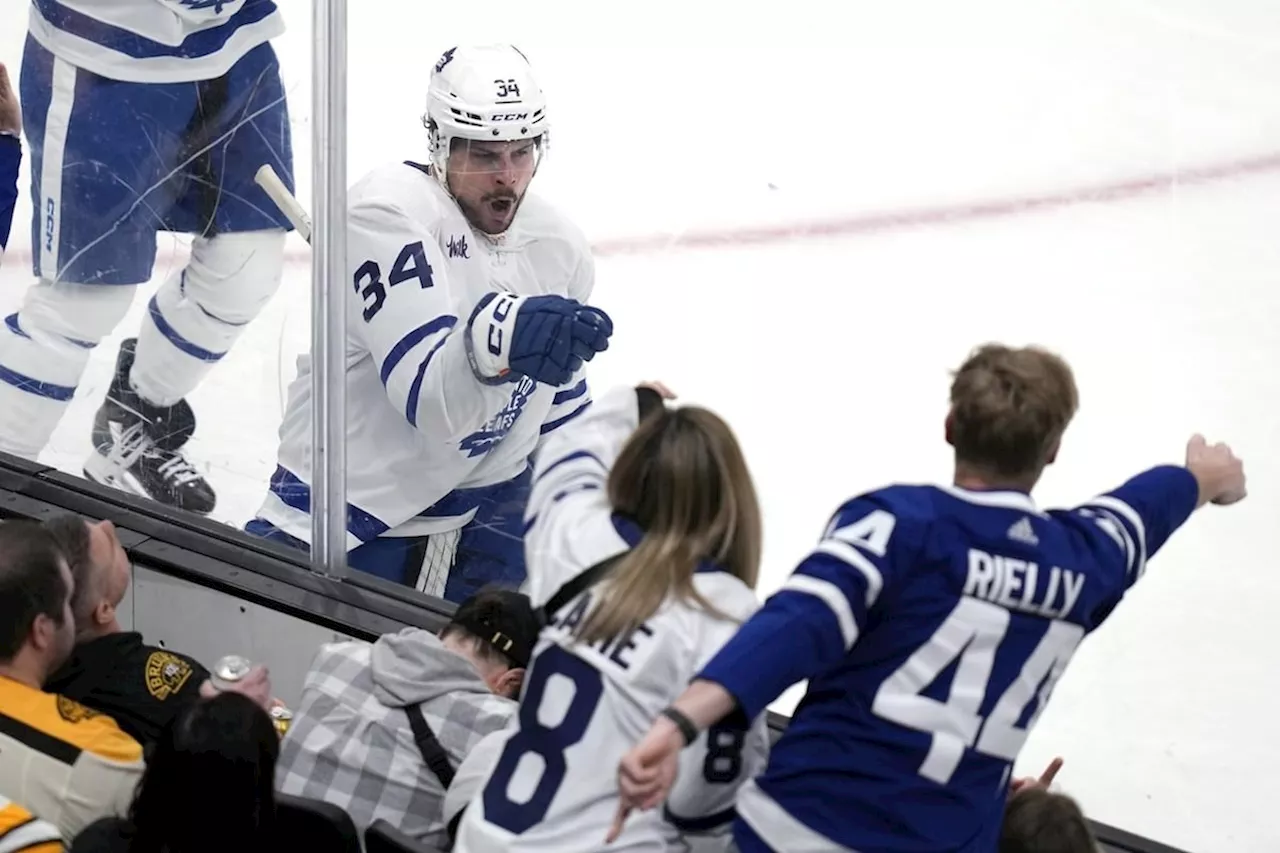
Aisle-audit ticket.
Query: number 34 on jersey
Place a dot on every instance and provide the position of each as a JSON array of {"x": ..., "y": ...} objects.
[{"x": 410, "y": 264}]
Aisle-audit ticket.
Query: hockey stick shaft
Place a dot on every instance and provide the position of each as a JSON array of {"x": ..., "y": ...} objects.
[{"x": 270, "y": 182}]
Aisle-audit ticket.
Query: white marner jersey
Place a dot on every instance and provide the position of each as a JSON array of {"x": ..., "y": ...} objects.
[
  {"x": 153, "y": 41},
  {"x": 554, "y": 786},
  {"x": 424, "y": 435}
]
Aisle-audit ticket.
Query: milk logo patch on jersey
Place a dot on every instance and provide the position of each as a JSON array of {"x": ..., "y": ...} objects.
[
  {"x": 487, "y": 437},
  {"x": 458, "y": 247}
]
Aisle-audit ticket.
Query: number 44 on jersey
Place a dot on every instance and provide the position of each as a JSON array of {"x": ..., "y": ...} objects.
[{"x": 972, "y": 633}]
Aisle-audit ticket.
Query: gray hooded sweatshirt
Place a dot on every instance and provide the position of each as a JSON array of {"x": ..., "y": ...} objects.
[{"x": 351, "y": 743}]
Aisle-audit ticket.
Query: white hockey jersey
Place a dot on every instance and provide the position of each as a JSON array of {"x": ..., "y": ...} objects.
[
  {"x": 153, "y": 41},
  {"x": 424, "y": 436},
  {"x": 554, "y": 786}
]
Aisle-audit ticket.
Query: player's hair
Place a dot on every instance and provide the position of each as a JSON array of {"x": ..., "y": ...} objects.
[
  {"x": 31, "y": 582},
  {"x": 1009, "y": 407},
  {"x": 682, "y": 479},
  {"x": 72, "y": 535},
  {"x": 1037, "y": 820}
]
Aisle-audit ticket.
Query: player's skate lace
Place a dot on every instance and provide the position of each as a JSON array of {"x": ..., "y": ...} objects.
[
  {"x": 178, "y": 469},
  {"x": 133, "y": 444}
]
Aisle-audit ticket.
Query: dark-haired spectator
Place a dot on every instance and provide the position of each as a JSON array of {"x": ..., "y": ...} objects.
[
  {"x": 67, "y": 764},
  {"x": 207, "y": 788},
  {"x": 1039, "y": 820},
  {"x": 112, "y": 670},
  {"x": 374, "y": 719}
]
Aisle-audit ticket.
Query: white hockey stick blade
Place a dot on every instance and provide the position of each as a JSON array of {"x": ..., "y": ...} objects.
[{"x": 289, "y": 206}]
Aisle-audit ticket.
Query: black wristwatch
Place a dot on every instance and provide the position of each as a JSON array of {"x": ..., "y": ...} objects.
[{"x": 683, "y": 723}]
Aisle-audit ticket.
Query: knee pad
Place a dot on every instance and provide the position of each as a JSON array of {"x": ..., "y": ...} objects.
[
  {"x": 232, "y": 276},
  {"x": 77, "y": 314}
]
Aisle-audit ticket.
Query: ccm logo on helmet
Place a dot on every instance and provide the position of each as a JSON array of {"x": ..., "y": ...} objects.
[{"x": 508, "y": 117}]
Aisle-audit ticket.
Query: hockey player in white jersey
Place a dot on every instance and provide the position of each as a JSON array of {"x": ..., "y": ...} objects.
[
  {"x": 468, "y": 333},
  {"x": 643, "y": 546},
  {"x": 143, "y": 116}
]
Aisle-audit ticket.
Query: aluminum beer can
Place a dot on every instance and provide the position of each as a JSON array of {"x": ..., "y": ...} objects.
[
  {"x": 228, "y": 670},
  {"x": 281, "y": 718}
]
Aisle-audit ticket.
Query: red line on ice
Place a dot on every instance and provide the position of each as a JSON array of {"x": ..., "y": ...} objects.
[{"x": 878, "y": 222}]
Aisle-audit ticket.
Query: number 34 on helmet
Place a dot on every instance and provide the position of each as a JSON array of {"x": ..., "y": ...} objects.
[{"x": 484, "y": 93}]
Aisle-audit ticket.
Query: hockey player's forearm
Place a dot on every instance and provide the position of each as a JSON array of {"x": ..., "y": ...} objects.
[{"x": 443, "y": 400}]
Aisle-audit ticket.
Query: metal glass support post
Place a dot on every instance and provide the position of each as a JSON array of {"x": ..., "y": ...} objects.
[{"x": 328, "y": 295}]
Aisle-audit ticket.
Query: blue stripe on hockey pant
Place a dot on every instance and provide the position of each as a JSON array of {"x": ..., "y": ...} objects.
[
  {"x": 396, "y": 559},
  {"x": 113, "y": 163},
  {"x": 491, "y": 547}
]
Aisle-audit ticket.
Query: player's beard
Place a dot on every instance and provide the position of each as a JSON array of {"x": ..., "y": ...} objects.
[{"x": 494, "y": 213}]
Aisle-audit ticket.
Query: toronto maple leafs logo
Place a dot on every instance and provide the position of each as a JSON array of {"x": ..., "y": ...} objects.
[
  {"x": 200, "y": 5},
  {"x": 445, "y": 60},
  {"x": 458, "y": 247},
  {"x": 487, "y": 437}
]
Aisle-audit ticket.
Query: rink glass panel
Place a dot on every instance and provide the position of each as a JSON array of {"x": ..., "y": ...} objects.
[{"x": 804, "y": 221}]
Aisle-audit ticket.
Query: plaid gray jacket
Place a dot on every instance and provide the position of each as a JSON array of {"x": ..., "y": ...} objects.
[{"x": 350, "y": 743}]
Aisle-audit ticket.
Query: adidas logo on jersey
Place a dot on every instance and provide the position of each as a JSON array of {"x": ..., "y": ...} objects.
[{"x": 1021, "y": 531}]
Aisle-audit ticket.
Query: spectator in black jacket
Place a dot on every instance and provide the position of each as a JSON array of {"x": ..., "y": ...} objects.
[{"x": 112, "y": 670}]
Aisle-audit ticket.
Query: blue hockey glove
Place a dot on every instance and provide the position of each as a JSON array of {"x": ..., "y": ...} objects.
[
  {"x": 591, "y": 330},
  {"x": 546, "y": 338}
]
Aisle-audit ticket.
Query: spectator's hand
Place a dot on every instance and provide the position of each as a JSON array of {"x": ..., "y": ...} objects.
[
  {"x": 256, "y": 685},
  {"x": 10, "y": 112},
  {"x": 1217, "y": 470},
  {"x": 1045, "y": 780},
  {"x": 647, "y": 772}
]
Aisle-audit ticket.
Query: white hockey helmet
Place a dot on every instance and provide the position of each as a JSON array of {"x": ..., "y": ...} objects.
[{"x": 483, "y": 93}]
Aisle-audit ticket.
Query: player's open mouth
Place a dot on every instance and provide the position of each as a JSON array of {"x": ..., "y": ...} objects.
[{"x": 501, "y": 206}]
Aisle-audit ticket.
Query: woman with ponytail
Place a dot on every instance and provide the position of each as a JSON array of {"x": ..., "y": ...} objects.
[{"x": 642, "y": 542}]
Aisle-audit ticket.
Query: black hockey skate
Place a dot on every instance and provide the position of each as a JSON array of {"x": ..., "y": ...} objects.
[{"x": 137, "y": 445}]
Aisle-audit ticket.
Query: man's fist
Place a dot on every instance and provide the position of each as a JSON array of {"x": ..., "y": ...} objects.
[{"x": 1218, "y": 471}]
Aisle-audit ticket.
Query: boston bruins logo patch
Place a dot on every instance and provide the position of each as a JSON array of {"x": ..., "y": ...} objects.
[
  {"x": 74, "y": 712},
  {"x": 165, "y": 674}
]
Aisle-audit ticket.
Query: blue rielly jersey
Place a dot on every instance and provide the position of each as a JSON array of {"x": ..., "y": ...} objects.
[{"x": 932, "y": 624}]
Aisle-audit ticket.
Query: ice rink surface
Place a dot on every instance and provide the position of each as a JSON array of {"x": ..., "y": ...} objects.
[{"x": 807, "y": 214}]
